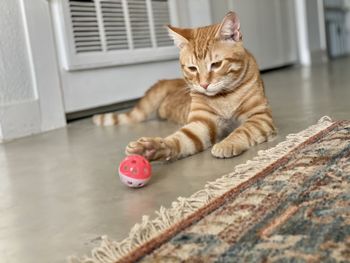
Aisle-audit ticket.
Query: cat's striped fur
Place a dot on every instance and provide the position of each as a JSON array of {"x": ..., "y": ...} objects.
[{"x": 222, "y": 86}]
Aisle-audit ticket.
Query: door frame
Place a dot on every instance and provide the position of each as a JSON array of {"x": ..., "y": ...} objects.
[{"x": 44, "y": 63}]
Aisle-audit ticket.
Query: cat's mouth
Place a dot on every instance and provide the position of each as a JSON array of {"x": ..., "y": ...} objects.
[
  {"x": 216, "y": 88},
  {"x": 207, "y": 92},
  {"x": 210, "y": 93},
  {"x": 212, "y": 90}
]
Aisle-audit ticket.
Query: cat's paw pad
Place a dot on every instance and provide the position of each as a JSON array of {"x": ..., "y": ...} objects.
[
  {"x": 227, "y": 150},
  {"x": 151, "y": 148}
]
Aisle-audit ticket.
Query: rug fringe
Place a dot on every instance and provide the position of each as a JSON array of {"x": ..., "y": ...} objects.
[{"x": 112, "y": 251}]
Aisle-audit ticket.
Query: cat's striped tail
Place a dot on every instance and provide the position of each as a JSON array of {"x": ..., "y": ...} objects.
[{"x": 145, "y": 107}]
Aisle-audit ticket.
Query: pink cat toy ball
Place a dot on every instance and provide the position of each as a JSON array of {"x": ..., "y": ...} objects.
[{"x": 135, "y": 171}]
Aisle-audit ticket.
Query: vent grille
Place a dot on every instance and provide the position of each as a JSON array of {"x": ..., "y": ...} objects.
[
  {"x": 161, "y": 18},
  {"x": 140, "y": 29},
  {"x": 114, "y": 25},
  {"x": 85, "y": 26},
  {"x": 118, "y": 25}
]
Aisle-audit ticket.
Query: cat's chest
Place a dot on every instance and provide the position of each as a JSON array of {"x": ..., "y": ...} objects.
[{"x": 224, "y": 107}]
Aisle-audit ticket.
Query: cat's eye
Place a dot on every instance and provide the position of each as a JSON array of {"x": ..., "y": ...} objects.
[
  {"x": 192, "y": 69},
  {"x": 215, "y": 65}
]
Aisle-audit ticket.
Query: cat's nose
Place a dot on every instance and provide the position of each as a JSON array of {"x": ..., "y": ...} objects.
[{"x": 204, "y": 85}]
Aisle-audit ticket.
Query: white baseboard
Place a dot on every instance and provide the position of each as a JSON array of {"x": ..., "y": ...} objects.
[{"x": 19, "y": 120}]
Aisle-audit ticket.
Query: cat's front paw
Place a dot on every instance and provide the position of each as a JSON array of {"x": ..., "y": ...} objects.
[
  {"x": 150, "y": 148},
  {"x": 227, "y": 149}
]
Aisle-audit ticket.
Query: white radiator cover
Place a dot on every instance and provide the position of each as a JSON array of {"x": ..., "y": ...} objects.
[
  {"x": 102, "y": 33},
  {"x": 112, "y": 50},
  {"x": 93, "y": 88}
]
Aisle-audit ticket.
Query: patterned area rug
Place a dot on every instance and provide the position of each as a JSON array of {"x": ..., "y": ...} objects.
[{"x": 290, "y": 204}]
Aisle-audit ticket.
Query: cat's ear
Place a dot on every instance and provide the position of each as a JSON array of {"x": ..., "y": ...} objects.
[
  {"x": 229, "y": 28},
  {"x": 179, "y": 35}
]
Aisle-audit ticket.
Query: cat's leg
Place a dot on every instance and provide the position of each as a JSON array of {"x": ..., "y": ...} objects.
[
  {"x": 147, "y": 105},
  {"x": 117, "y": 118},
  {"x": 196, "y": 136},
  {"x": 256, "y": 129}
]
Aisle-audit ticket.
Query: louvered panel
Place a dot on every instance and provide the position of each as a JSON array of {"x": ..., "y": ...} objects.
[
  {"x": 99, "y": 33},
  {"x": 114, "y": 25},
  {"x": 85, "y": 26},
  {"x": 86, "y": 34},
  {"x": 140, "y": 28},
  {"x": 87, "y": 39},
  {"x": 161, "y": 18}
]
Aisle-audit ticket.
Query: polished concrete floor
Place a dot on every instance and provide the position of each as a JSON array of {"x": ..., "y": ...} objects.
[{"x": 59, "y": 191}]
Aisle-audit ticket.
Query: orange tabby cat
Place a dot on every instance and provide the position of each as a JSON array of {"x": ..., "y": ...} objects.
[{"x": 221, "y": 86}]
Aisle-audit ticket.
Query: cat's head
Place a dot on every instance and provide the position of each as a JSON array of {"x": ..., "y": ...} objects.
[{"x": 211, "y": 57}]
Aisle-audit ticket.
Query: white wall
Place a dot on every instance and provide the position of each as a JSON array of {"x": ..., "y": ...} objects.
[
  {"x": 348, "y": 32},
  {"x": 267, "y": 26},
  {"x": 199, "y": 13},
  {"x": 279, "y": 32},
  {"x": 347, "y": 21},
  {"x": 30, "y": 96},
  {"x": 315, "y": 25},
  {"x": 15, "y": 73},
  {"x": 16, "y": 82}
]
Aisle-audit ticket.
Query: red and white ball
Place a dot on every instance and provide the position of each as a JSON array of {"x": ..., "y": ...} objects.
[{"x": 135, "y": 171}]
